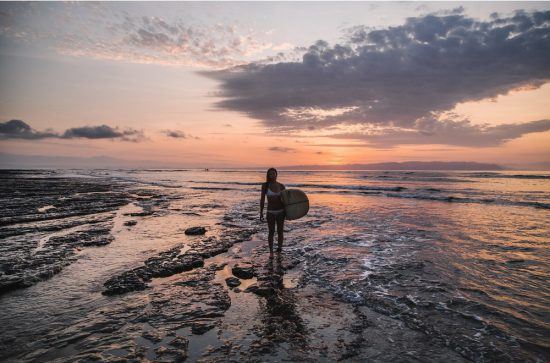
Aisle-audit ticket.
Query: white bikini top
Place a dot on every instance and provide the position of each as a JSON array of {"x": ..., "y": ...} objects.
[{"x": 271, "y": 193}]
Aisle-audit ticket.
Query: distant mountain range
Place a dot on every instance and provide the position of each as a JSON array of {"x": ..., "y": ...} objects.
[
  {"x": 407, "y": 165},
  {"x": 16, "y": 161}
]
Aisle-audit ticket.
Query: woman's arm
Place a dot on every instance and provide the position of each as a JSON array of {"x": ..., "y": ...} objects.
[{"x": 262, "y": 202}]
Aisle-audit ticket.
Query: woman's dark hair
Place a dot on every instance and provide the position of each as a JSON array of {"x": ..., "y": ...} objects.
[{"x": 267, "y": 174}]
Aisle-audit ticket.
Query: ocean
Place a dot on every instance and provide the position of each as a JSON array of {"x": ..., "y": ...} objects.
[{"x": 386, "y": 265}]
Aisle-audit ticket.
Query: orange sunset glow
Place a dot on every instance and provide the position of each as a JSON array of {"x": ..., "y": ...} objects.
[{"x": 193, "y": 86}]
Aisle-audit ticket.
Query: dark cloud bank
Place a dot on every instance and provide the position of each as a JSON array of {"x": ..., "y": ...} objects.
[
  {"x": 398, "y": 82},
  {"x": 177, "y": 134},
  {"x": 17, "y": 129}
]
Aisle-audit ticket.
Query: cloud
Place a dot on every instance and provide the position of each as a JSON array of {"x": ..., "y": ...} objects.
[
  {"x": 446, "y": 132},
  {"x": 103, "y": 132},
  {"x": 100, "y": 31},
  {"x": 17, "y": 129},
  {"x": 177, "y": 134},
  {"x": 173, "y": 42},
  {"x": 282, "y": 149},
  {"x": 400, "y": 81}
]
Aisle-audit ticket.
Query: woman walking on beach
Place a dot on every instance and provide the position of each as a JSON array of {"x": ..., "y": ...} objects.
[{"x": 275, "y": 210}]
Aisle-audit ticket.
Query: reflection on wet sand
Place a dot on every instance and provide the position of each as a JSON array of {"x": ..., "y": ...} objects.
[{"x": 279, "y": 319}]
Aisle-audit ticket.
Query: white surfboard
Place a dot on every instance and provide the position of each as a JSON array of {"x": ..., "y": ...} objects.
[{"x": 295, "y": 203}]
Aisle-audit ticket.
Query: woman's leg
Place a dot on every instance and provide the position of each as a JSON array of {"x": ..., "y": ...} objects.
[
  {"x": 271, "y": 229},
  {"x": 280, "y": 227}
]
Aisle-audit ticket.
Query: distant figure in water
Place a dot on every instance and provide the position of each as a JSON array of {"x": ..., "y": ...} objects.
[{"x": 275, "y": 210}]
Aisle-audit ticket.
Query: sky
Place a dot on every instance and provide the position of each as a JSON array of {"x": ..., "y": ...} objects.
[{"x": 237, "y": 84}]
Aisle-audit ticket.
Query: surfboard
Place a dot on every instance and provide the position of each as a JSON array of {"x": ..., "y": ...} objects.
[{"x": 295, "y": 203}]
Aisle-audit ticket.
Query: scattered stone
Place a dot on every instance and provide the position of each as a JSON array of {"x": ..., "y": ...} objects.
[
  {"x": 243, "y": 270},
  {"x": 195, "y": 230},
  {"x": 165, "y": 264},
  {"x": 171, "y": 262},
  {"x": 232, "y": 281},
  {"x": 132, "y": 222},
  {"x": 220, "y": 266}
]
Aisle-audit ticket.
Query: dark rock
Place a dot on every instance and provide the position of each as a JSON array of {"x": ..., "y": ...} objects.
[
  {"x": 128, "y": 281},
  {"x": 220, "y": 266},
  {"x": 232, "y": 281},
  {"x": 98, "y": 241},
  {"x": 165, "y": 264},
  {"x": 244, "y": 270},
  {"x": 252, "y": 288},
  {"x": 171, "y": 262},
  {"x": 195, "y": 230},
  {"x": 139, "y": 214},
  {"x": 200, "y": 328},
  {"x": 179, "y": 342},
  {"x": 152, "y": 336},
  {"x": 515, "y": 261},
  {"x": 130, "y": 223},
  {"x": 169, "y": 267},
  {"x": 7, "y": 283},
  {"x": 261, "y": 290},
  {"x": 26, "y": 265}
]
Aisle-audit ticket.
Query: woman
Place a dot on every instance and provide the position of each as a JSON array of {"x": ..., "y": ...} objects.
[{"x": 275, "y": 210}]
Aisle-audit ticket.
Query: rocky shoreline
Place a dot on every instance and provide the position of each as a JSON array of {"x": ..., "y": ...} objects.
[
  {"x": 79, "y": 212},
  {"x": 214, "y": 294},
  {"x": 174, "y": 261},
  {"x": 284, "y": 320}
]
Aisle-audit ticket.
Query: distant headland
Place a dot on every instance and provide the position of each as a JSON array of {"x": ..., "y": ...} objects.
[{"x": 407, "y": 165}]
